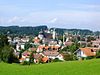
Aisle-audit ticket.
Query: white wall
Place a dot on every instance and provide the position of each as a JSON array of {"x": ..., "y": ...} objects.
[{"x": 81, "y": 54}]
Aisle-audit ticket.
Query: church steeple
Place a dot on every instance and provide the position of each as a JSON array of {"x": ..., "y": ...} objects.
[{"x": 54, "y": 34}]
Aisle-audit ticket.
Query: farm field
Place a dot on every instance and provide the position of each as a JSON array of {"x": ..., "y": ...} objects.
[{"x": 87, "y": 67}]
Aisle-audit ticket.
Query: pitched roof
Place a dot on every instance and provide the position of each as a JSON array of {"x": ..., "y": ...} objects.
[
  {"x": 88, "y": 51},
  {"x": 41, "y": 47},
  {"x": 48, "y": 35},
  {"x": 37, "y": 56},
  {"x": 26, "y": 53},
  {"x": 36, "y": 39},
  {"x": 68, "y": 43},
  {"x": 32, "y": 49},
  {"x": 45, "y": 59},
  {"x": 94, "y": 48},
  {"x": 51, "y": 53},
  {"x": 22, "y": 59}
]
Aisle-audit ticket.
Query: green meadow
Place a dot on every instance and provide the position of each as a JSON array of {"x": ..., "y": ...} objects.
[{"x": 87, "y": 67}]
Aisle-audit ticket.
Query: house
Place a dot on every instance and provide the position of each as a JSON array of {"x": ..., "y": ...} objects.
[
  {"x": 40, "y": 48},
  {"x": 44, "y": 36},
  {"x": 45, "y": 59},
  {"x": 68, "y": 43},
  {"x": 83, "y": 43},
  {"x": 20, "y": 46},
  {"x": 36, "y": 40},
  {"x": 55, "y": 47},
  {"x": 10, "y": 40},
  {"x": 37, "y": 57},
  {"x": 24, "y": 40},
  {"x": 46, "y": 40},
  {"x": 25, "y": 56},
  {"x": 96, "y": 43},
  {"x": 46, "y": 47},
  {"x": 32, "y": 49},
  {"x": 16, "y": 40},
  {"x": 52, "y": 54},
  {"x": 85, "y": 52}
]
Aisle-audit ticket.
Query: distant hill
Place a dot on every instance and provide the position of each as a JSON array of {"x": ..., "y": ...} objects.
[
  {"x": 16, "y": 30},
  {"x": 73, "y": 31},
  {"x": 22, "y": 30}
]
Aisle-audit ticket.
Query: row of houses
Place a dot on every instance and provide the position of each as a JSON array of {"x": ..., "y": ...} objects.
[{"x": 46, "y": 47}]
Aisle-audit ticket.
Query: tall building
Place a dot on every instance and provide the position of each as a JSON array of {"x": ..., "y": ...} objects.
[{"x": 54, "y": 34}]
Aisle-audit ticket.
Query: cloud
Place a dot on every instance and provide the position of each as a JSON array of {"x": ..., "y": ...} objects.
[
  {"x": 69, "y": 19},
  {"x": 53, "y": 20},
  {"x": 13, "y": 20},
  {"x": 16, "y": 19}
]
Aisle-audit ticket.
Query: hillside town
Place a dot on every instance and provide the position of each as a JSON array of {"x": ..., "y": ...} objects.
[
  {"x": 49, "y": 37},
  {"x": 49, "y": 46}
]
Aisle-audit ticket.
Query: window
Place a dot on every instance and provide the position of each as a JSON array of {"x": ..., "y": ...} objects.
[{"x": 92, "y": 50}]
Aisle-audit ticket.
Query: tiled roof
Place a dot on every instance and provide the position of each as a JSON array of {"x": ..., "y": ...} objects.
[
  {"x": 32, "y": 49},
  {"x": 68, "y": 43},
  {"x": 88, "y": 51},
  {"x": 41, "y": 46},
  {"x": 37, "y": 56},
  {"x": 36, "y": 40},
  {"x": 45, "y": 59},
  {"x": 51, "y": 53},
  {"x": 26, "y": 53}
]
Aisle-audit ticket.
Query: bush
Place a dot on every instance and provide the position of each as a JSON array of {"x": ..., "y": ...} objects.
[
  {"x": 25, "y": 63},
  {"x": 67, "y": 56},
  {"x": 90, "y": 57},
  {"x": 98, "y": 54},
  {"x": 57, "y": 60}
]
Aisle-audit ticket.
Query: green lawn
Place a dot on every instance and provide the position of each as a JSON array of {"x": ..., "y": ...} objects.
[{"x": 89, "y": 67}]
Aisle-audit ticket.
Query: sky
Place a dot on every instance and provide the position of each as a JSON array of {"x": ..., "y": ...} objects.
[{"x": 80, "y": 14}]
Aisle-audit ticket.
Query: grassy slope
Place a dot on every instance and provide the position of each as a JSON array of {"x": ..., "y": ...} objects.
[{"x": 90, "y": 67}]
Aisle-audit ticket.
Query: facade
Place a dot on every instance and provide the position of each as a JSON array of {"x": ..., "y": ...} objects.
[{"x": 85, "y": 52}]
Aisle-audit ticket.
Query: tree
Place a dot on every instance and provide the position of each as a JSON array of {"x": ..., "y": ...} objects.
[
  {"x": 98, "y": 54},
  {"x": 31, "y": 57},
  {"x": 6, "y": 51},
  {"x": 73, "y": 47},
  {"x": 3, "y": 41},
  {"x": 70, "y": 48},
  {"x": 0, "y": 54},
  {"x": 65, "y": 49},
  {"x": 67, "y": 56},
  {"x": 7, "y": 55},
  {"x": 27, "y": 45}
]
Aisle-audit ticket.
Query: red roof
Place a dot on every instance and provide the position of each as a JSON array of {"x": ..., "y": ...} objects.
[
  {"x": 88, "y": 51},
  {"x": 37, "y": 40},
  {"x": 45, "y": 59}
]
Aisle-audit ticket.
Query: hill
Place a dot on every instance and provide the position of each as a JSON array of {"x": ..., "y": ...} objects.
[
  {"x": 16, "y": 30},
  {"x": 88, "y": 67},
  {"x": 74, "y": 31}
]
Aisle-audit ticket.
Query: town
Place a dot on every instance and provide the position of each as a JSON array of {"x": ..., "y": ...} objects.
[
  {"x": 49, "y": 37},
  {"x": 48, "y": 46}
]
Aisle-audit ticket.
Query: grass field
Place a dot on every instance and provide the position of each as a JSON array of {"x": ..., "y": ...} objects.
[{"x": 89, "y": 67}]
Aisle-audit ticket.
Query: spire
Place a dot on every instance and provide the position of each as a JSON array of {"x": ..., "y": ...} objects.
[{"x": 54, "y": 34}]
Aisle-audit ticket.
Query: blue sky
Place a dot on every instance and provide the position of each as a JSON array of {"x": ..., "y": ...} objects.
[{"x": 84, "y": 14}]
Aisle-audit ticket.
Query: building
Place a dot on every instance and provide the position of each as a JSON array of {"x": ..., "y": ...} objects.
[{"x": 85, "y": 52}]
